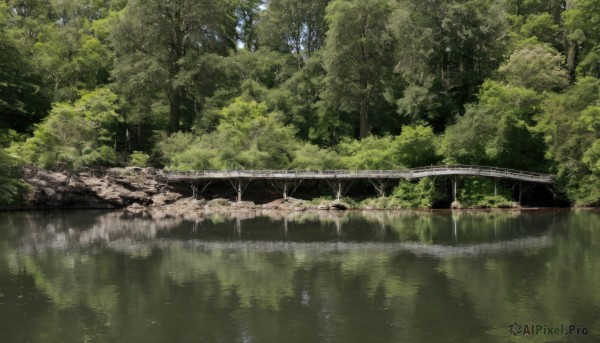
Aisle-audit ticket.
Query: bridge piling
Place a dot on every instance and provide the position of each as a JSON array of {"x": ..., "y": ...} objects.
[
  {"x": 339, "y": 188},
  {"x": 240, "y": 185},
  {"x": 380, "y": 186},
  {"x": 454, "y": 187}
]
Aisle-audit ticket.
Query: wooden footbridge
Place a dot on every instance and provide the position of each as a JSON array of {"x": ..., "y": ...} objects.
[{"x": 287, "y": 181}]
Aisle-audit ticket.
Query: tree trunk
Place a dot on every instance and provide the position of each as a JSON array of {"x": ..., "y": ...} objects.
[
  {"x": 364, "y": 117},
  {"x": 174, "y": 110},
  {"x": 572, "y": 60}
]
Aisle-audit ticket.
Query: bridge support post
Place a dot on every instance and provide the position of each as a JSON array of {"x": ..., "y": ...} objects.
[
  {"x": 339, "y": 189},
  {"x": 454, "y": 187},
  {"x": 240, "y": 185},
  {"x": 196, "y": 191},
  {"x": 284, "y": 187},
  {"x": 380, "y": 185},
  {"x": 495, "y": 187}
]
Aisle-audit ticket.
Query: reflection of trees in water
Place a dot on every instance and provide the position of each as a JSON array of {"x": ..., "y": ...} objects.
[
  {"x": 540, "y": 286},
  {"x": 330, "y": 280},
  {"x": 122, "y": 229}
]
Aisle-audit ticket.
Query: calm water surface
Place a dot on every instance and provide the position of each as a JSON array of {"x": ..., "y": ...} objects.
[{"x": 299, "y": 277}]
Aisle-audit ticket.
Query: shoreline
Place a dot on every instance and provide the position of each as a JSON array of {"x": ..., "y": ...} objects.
[{"x": 139, "y": 189}]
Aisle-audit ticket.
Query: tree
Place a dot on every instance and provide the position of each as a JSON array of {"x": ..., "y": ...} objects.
[
  {"x": 368, "y": 153},
  {"x": 357, "y": 56},
  {"x": 11, "y": 186},
  {"x": 158, "y": 44},
  {"x": 75, "y": 135},
  {"x": 535, "y": 66},
  {"x": 581, "y": 20},
  {"x": 63, "y": 43},
  {"x": 247, "y": 12},
  {"x": 445, "y": 50},
  {"x": 498, "y": 131},
  {"x": 570, "y": 124},
  {"x": 22, "y": 103},
  {"x": 296, "y": 27},
  {"x": 247, "y": 137},
  {"x": 414, "y": 147}
]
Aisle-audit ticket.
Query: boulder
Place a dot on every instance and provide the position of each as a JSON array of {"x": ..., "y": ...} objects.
[
  {"x": 273, "y": 205},
  {"x": 340, "y": 205},
  {"x": 163, "y": 199},
  {"x": 323, "y": 206},
  {"x": 135, "y": 208},
  {"x": 244, "y": 204},
  {"x": 188, "y": 204},
  {"x": 219, "y": 202}
]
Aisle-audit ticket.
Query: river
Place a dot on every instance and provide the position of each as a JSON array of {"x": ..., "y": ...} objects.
[{"x": 97, "y": 276}]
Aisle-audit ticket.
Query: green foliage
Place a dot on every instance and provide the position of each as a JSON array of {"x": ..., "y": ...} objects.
[
  {"x": 311, "y": 157},
  {"x": 540, "y": 26},
  {"x": 414, "y": 147},
  {"x": 21, "y": 102},
  {"x": 537, "y": 67},
  {"x": 424, "y": 193},
  {"x": 368, "y": 153},
  {"x": 356, "y": 56},
  {"x": 139, "y": 159},
  {"x": 446, "y": 49},
  {"x": 12, "y": 188},
  {"x": 75, "y": 135},
  {"x": 248, "y": 137},
  {"x": 497, "y": 131},
  {"x": 292, "y": 84},
  {"x": 483, "y": 193},
  {"x": 570, "y": 124},
  {"x": 159, "y": 48},
  {"x": 294, "y": 26}
]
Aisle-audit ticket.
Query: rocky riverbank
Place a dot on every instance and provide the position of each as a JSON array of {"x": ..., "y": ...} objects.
[{"x": 135, "y": 189}]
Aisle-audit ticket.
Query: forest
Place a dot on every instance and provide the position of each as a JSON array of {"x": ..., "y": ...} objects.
[{"x": 310, "y": 84}]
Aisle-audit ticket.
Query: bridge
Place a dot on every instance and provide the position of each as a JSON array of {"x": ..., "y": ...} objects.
[{"x": 287, "y": 181}]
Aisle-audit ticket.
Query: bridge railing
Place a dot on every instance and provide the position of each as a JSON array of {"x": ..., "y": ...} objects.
[{"x": 491, "y": 171}]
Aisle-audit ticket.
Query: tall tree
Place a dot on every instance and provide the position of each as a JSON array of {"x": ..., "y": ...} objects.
[
  {"x": 247, "y": 12},
  {"x": 445, "y": 50},
  {"x": 357, "y": 55},
  {"x": 293, "y": 26},
  {"x": 158, "y": 41},
  {"x": 22, "y": 103}
]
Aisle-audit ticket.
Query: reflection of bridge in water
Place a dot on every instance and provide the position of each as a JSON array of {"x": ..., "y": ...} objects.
[
  {"x": 287, "y": 181},
  {"x": 140, "y": 235}
]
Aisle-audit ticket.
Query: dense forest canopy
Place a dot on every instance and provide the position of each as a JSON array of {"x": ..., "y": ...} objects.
[{"x": 309, "y": 84}]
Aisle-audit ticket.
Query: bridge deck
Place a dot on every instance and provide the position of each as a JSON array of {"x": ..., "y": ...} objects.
[{"x": 415, "y": 173}]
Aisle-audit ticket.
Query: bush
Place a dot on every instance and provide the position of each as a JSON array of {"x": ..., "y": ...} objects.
[
  {"x": 479, "y": 193},
  {"x": 424, "y": 193},
  {"x": 139, "y": 159},
  {"x": 12, "y": 187}
]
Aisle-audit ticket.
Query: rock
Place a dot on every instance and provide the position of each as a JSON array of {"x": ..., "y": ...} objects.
[
  {"x": 299, "y": 208},
  {"x": 135, "y": 208},
  {"x": 49, "y": 192},
  {"x": 455, "y": 204},
  {"x": 219, "y": 202},
  {"x": 244, "y": 204},
  {"x": 323, "y": 206},
  {"x": 188, "y": 204},
  {"x": 273, "y": 205},
  {"x": 165, "y": 198},
  {"x": 340, "y": 205}
]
